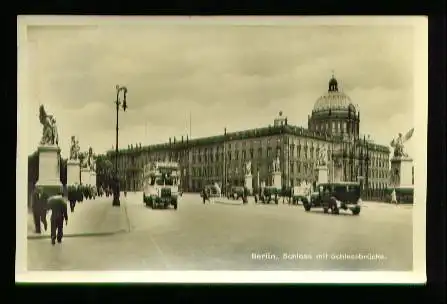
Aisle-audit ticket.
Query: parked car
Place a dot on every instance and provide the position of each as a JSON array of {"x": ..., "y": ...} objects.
[
  {"x": 236, "y": 192},
  {"x": 211, "y": 190},
  {"x": 268, "y": 194},
  {"x": 336, "y": 197},
  {"x": 300, "y": 194}
]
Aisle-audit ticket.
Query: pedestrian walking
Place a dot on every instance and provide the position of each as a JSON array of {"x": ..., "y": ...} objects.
[
  {"x": 58, "y": 206},
  {"x": 245, "y": 196},
  {"x": 204, "y": 195},
  {"x": 72, "y": 196},
  {"x": 394, "y": 198},
  {"x": 39, "y": 210}
]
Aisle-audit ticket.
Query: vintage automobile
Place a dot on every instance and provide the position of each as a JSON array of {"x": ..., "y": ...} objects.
[
  {"x": 336, "y": 197},
  {"x": 211, "y": 190},
  {"x": 300, "y": 194},
  {"x": 268, "y": 194},
  {"x": 160, "y": 187},
  {"x": 236, "y": 192},
  {"x": 313, "y": 196}
]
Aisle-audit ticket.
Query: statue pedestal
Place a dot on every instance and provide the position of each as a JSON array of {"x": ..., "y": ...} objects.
[
  {"x": 49, "y": 169},
  {"x": 93, "y": 178},
  {"x": 277, "y": 180},
  {"x": 249, "y": 183},
  {"x": 402, "y": 172},
  {"x": 85, "y": 176},
  {"x": 73, "y": 172},
  {"x": 323, "y": 174}
]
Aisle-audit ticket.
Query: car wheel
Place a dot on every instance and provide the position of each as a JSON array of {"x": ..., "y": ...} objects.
[
  {"x": 307, "y": 207},
  {"x": 356, "y": 211}
]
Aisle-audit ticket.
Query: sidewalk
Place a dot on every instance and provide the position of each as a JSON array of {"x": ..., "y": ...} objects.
[{"x": 90, "y": 218}]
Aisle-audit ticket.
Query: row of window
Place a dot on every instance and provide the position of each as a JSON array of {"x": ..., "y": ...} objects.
[
  {"x": 375, "y": 163},
  {"x": 216, "y": 155},
  {"x": 295, "y": 168},
  {"x": 336, "y": 126}
]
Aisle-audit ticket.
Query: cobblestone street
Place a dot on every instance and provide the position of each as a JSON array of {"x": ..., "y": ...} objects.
[{"x": 229, "y": 236}]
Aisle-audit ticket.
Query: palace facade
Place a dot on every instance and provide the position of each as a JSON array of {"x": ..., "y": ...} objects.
[{"x": 334, "y": 125}]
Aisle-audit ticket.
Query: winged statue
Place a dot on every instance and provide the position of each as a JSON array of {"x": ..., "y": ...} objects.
[
  {"x": 49, "y": 133},
  {"x": 398, "y": 143}
]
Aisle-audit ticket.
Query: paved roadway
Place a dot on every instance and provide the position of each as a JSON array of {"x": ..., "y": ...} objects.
[{"x": 223, "y": 236}]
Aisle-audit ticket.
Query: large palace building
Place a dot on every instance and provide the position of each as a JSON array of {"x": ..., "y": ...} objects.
[{"x": 334, "y": 124}]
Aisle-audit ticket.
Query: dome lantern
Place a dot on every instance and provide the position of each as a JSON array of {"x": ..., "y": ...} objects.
[
  {"x": 334, "y": 100},
  {"x": 333, "y": 84}
]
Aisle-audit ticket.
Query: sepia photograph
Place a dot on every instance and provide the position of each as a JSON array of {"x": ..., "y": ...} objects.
[{"x": 212, "y": 149}]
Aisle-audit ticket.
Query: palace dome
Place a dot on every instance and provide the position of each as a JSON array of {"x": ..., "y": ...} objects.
[{"x": 334, "y": 100}]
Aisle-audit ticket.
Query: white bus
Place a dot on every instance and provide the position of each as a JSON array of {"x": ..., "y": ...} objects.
[{"x": 161, "y": 184}]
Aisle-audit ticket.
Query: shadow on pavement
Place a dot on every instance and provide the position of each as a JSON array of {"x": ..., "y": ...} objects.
[
  {"x": 160, "y": 209},
  {"x": 321, "y": 212}
]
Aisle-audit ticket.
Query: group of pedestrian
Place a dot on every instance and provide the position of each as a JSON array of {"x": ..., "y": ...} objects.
[{"x": 43, "y": 203}]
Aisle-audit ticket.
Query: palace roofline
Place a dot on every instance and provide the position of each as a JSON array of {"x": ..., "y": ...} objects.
[{"x": 247, "y": 134}]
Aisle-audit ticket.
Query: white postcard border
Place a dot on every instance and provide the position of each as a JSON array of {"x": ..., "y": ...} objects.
[{"x": 418, "y": 275}]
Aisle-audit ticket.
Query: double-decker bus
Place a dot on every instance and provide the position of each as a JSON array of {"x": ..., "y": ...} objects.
[{"x": 161, "y": 184}]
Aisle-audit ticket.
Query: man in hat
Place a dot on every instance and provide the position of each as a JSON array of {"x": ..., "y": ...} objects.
[
  {"x": 58, "y": 206},
  {"x": 39, "y": 209}
]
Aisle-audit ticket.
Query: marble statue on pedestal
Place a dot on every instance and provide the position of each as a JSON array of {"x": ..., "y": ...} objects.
[
  {"x": 398, "y": 143},
  {"x": 73, "y": 168},
  {"x": 49, "y": 155},
  {"x": 74, "y": 149},
  {"x": 401, "y": 163},
  {"x": 91, "y": 163},
  {"x": 49, "y": 132}
]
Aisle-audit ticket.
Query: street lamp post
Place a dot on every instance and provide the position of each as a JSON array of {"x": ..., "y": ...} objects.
[{"x": 123, "y": 104}]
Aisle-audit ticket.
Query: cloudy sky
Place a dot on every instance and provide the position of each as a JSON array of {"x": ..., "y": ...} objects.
[{"x": 237, "y": 77}]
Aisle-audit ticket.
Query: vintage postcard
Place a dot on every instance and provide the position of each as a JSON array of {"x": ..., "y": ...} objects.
[{"x": 212, "y": 149}]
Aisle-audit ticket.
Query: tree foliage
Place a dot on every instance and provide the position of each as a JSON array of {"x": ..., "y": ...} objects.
[{"x": 104, "y": 170}]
